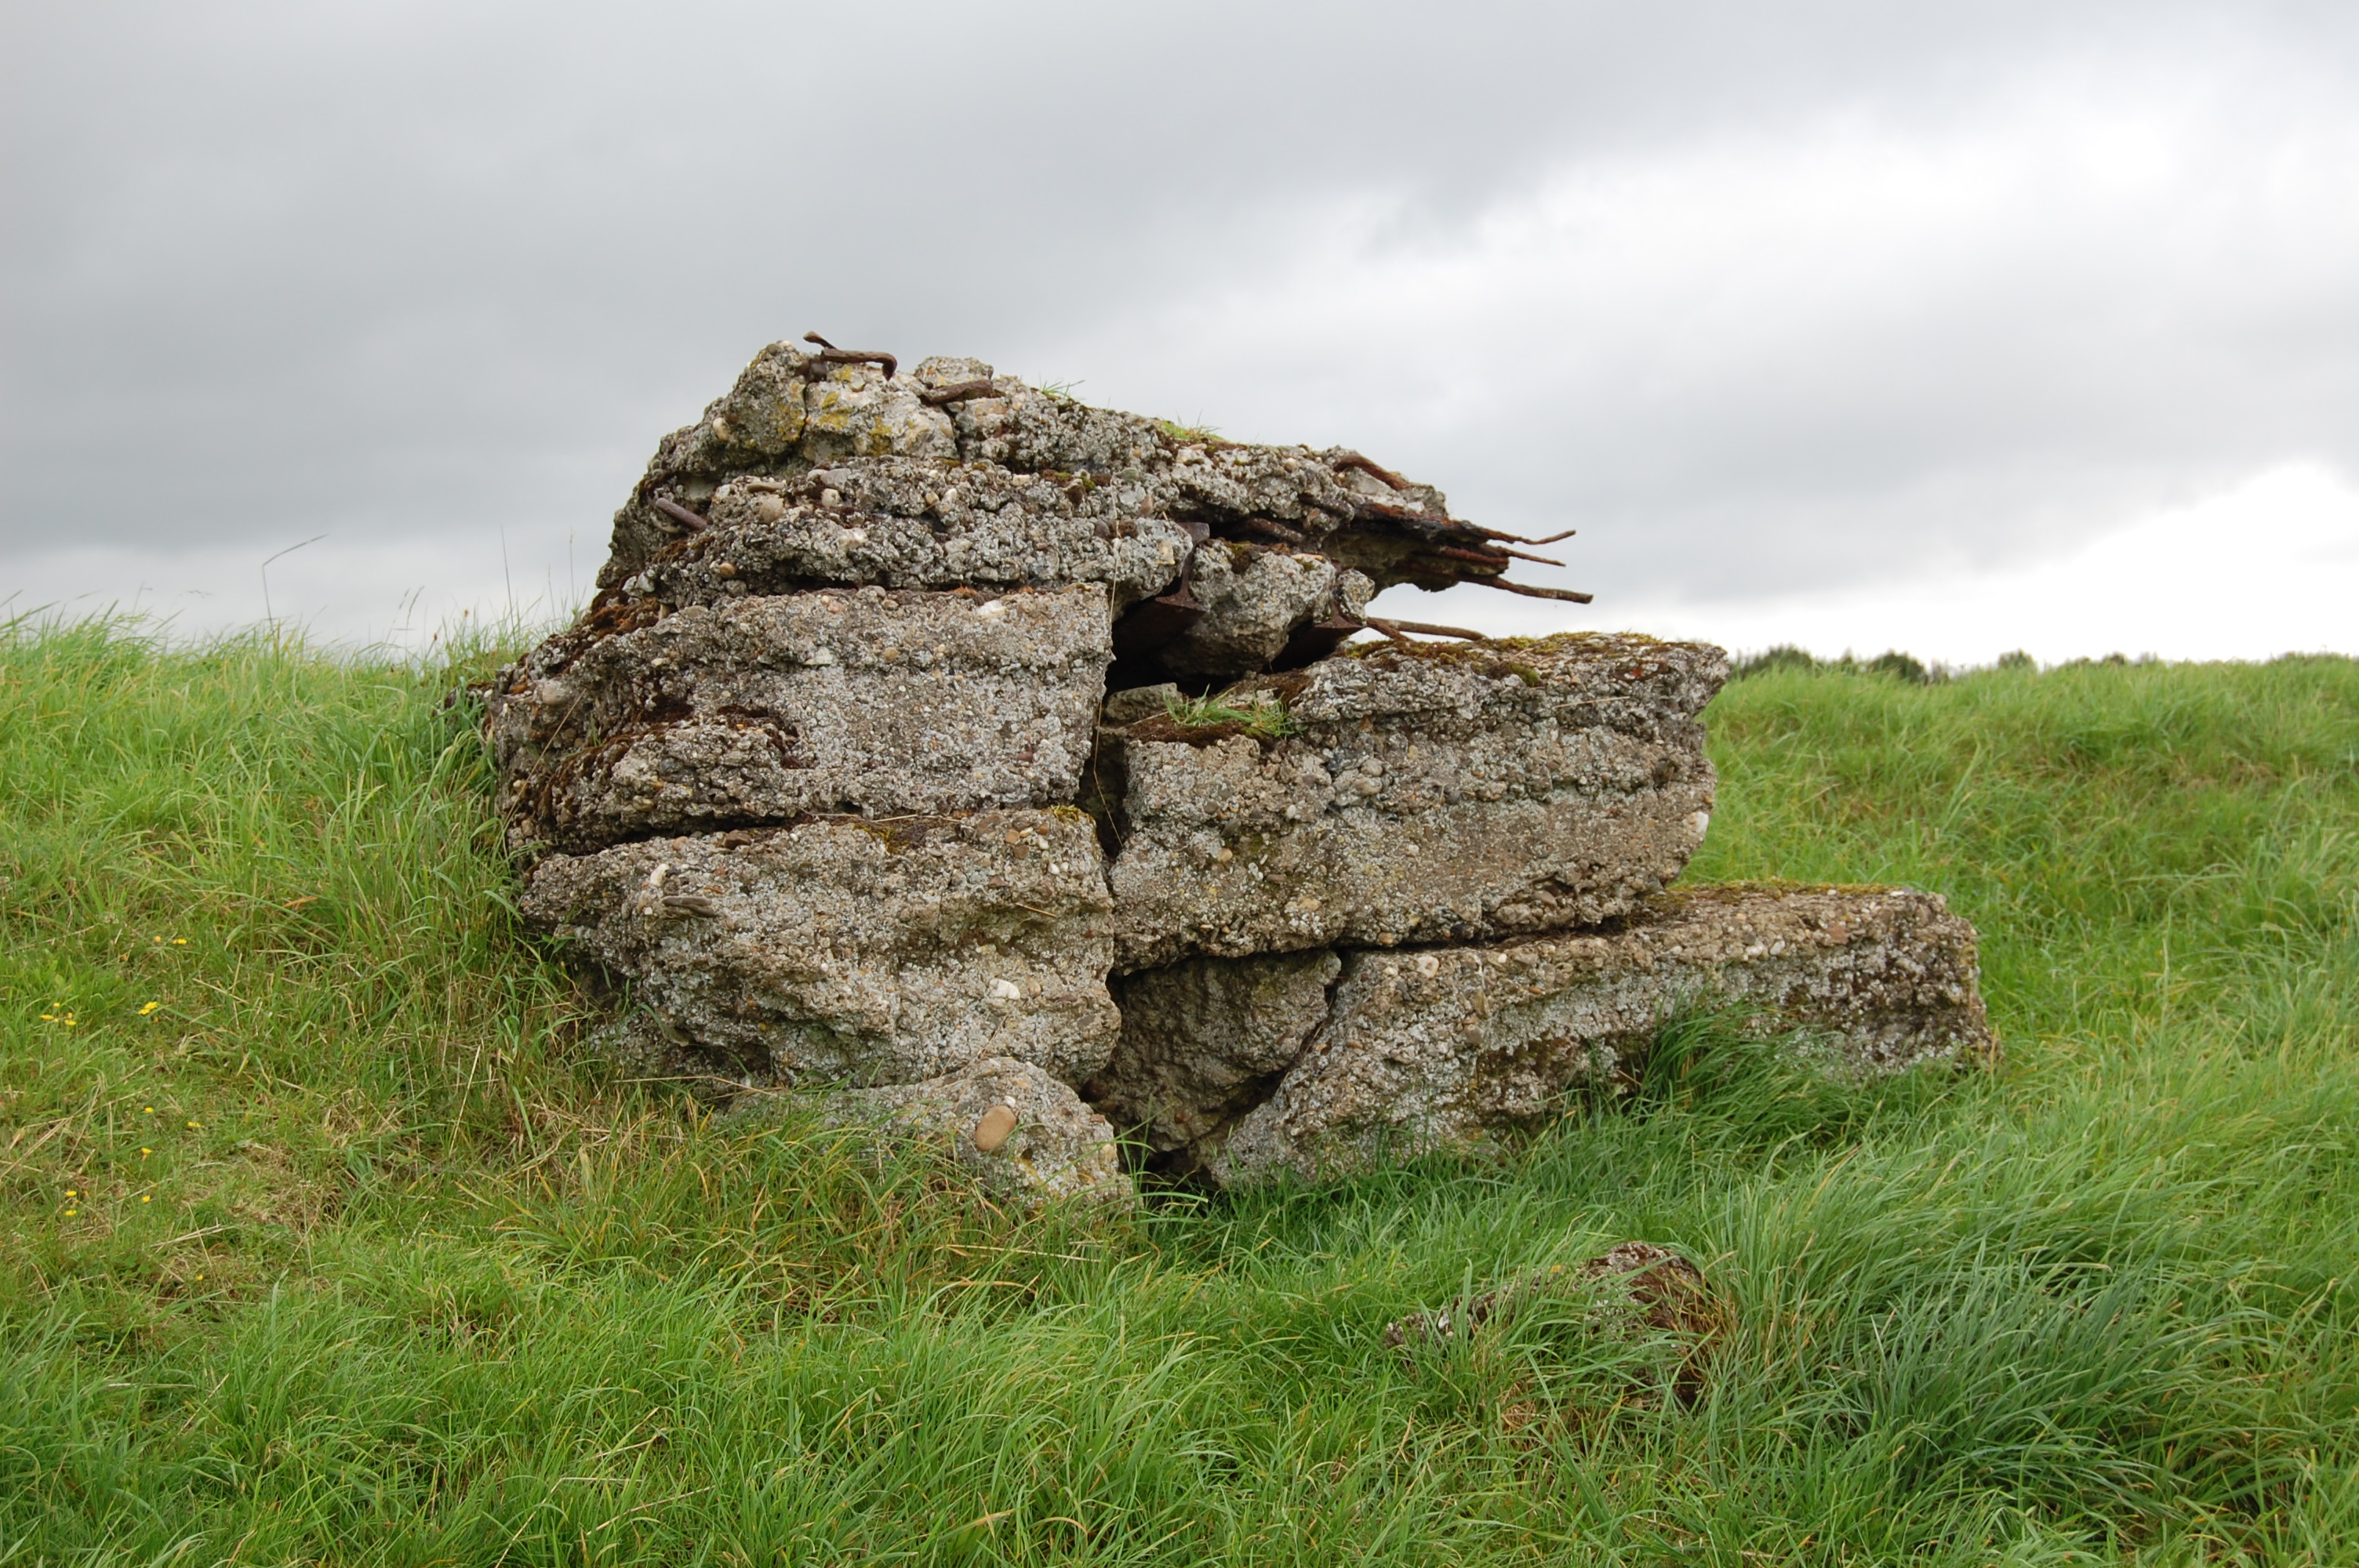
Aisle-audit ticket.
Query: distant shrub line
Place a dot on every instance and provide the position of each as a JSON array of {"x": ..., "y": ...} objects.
[{"x": 1904, "y": 666}]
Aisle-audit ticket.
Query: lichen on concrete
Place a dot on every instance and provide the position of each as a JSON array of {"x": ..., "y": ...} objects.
[
  {"x": 1255, "y": 599},
  {"x": 912, "y": 522}
]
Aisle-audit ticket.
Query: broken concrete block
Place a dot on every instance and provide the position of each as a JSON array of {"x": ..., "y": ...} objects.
[
  {"x": 857, "y": 411},
  {"x": 1205, "y": 1040},
  {"x": 1030, "y": 430},
  {"x": 1421, "y": 794},
  {"x": 762, "y": 417},
  {"x": 793, "y": 410},
  {"x": 849, "y": 951},
  {"x": 906, "y": 523},
  {"x": 764, "y": 709},
  {"x": 1027, "y": 1136},
  {"x": 1196, "y": 474},
  {"x": 788, "y": 409},
  {"x": 1253, "y": 600},
  {"x": 1452, "y": 1046}
]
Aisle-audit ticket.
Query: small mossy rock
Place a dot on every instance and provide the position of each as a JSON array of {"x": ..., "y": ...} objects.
[{"x": 1651, "y": 1287}]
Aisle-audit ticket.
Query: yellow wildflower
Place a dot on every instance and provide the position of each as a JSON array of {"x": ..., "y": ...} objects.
[{"x": 149, "y": 1008}]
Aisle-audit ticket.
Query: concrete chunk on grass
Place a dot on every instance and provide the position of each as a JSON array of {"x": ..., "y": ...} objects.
[
  {"x": 844, "y": 951},
  {"x": 1413, "y": 1051},
  {"x": 766, "y": 710},
  {"x": 1411, "y": 793}
]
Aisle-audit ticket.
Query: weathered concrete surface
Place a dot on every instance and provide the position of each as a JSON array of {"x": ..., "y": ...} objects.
[
  {"x": 792, "y": 413},
  {"x": 1204, "y": 1041},
  {"x": 1026, "y": 1136},
  {"x": 848, "y": 951},
  {"x": 765, "y": 710},
  {"x": 1255, "y": 598},
  {"x": 1451, "y": 1046},
  {"x": 788, "y": 410},
  {"x": 914, "y": 523},
  {"x": 1430, "y": 793},
  {"x": 1192, "y": 474}
]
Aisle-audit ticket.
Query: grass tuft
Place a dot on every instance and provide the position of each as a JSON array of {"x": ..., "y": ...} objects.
[{"x": 1264, "y": 717}]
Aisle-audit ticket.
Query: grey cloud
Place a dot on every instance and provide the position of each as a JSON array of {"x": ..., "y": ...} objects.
[{"x": 439, "y": 269}]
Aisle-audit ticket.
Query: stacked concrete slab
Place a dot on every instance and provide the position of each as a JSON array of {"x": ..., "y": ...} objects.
[{"x": 963, "y": 759}]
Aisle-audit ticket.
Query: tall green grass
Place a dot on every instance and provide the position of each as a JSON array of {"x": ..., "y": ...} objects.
[{"x": 342, "y": 1252}]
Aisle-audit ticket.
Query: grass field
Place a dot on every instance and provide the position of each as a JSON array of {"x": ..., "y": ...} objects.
[{"x": 322, "y": 1244}]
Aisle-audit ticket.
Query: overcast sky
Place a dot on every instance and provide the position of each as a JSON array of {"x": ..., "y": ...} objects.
[{"x": 1960, "y": 327}]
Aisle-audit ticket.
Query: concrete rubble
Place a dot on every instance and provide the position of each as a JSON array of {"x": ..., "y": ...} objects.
[
  {"x": 923, "y": 715},
  {"x": 1443, "y": 1047},
  {"x": 1205, "y": 1040}
]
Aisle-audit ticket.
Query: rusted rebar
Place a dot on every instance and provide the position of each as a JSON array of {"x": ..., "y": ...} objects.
[
  {"x": 1480, "y": 557},
  {"x": 678, "y": 513},
  {"x": 1519, "y": 539},
  {"x": 1388, "y": 627},
  {"x": 1368, "y": 466},
  {"x": 1275, "y": 530},
  {"x": 956, "y": 391},
  {"x": 1528, "y": 591},
  {"x": 834, "y": 355}
]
